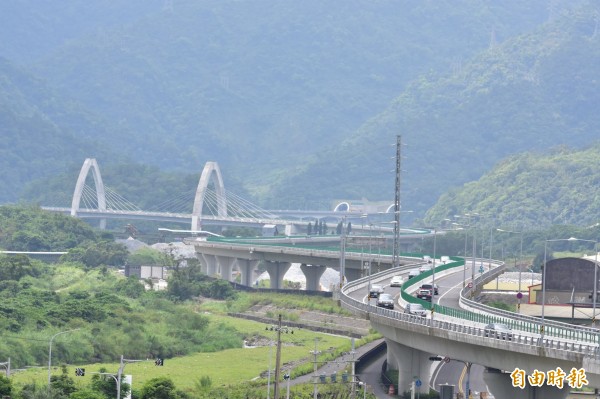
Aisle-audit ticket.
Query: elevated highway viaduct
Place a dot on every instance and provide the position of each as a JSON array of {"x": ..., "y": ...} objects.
[
  {"x": 459, "y": 334},
  {"x": 314, "y": 254}
]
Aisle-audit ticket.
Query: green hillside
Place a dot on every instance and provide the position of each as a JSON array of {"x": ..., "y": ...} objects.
[
  {"x": 279, "y": 93},
  {"x": 259, "y": 88},
  {"x": 41, "y": 132},
  {"x": 532, "y": 190},
  {"x": 530, "y": 92}
]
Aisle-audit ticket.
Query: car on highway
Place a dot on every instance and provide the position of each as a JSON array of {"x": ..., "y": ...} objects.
[
  {"x": 396, "y": 281},
  {"x": 413, "y": 273},
  {"x": 385, "y": 301},
  {"x": 424, "y": 294},
  {"x": 429, "y": 286},
  {"x": 425, "y": 268},
  {"x": 498, "y": 330},
  {"x": 375, "y": 291},
  {"x": 416, "y": 309}
]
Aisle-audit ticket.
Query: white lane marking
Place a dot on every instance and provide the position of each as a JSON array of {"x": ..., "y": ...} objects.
[{"x": 448, "y": 291}]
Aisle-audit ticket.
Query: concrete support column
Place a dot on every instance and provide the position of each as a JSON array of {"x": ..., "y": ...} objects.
[
  {"x": 412, "y": 365},
  {"x": 226, "y": 266},
  {"x": 246, "y": 268},
  {"x": 313, "y": 275},
  {"x": 392, "y": 361},
  {"x": 276, "y": 272},
  {"x": 209, "y": 264},
  {"x": 353, "y": 274},
  {"x": 500, "y": 385}
]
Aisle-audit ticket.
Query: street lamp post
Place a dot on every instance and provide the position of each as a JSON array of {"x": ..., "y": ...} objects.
[
  {"x": 519, "y": 294},
  {"x": 491, "y": 245},
  {"x": 50, "y": 352},
  {"x": 433, "y": 276},
  {"x": 461, "y": 226}
]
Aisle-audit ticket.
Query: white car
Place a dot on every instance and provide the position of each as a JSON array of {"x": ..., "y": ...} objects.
[
  {"x": 416, "y": 309},
  {"x": 425, "y": 268},
  {"x": 396, "y": 281}
]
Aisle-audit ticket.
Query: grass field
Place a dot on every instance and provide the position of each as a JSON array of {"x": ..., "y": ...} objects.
[{"x": 228, "y": 367}]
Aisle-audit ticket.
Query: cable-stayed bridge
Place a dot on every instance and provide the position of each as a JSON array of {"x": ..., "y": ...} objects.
[{"x": 208, "y": 204}]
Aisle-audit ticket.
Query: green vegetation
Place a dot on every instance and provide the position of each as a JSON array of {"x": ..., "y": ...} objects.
[
  {"x": 245, "y": 301},
  {"x": 108, "y": 316},
  {"x": 527, "y": 93},
  {"x": 536, "y": 189},
  {"x": 174, "y": 86},
  {"x": 502, "y": 305}
]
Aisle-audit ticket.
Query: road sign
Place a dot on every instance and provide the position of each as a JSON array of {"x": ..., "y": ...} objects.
[
  {"x": 446, "y": 359},
  {"x": 519, "y": 295},
  {"x": 470, "y": 285},
  {"x": 418, "y": 383}
]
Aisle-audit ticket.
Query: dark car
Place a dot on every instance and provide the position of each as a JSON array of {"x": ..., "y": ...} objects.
[
  {"x": 385, "y": 301},
  {"x": 424, "y": 294},
  {"x": 375, "y": 291},
  {"x": 498, "y": 330},
  {"x": 428, "y": 286}
]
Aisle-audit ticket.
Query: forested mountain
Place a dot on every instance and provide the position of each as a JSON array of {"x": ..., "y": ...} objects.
[
  {"x": 530, "y": 92},
  {"x": 253, "y": 87},
  {"x": 257, "y": 86},
  {"x": 40, "y": 132},
  {"x": 532, "y": 190},
  {"x": 288, "y": 96}
]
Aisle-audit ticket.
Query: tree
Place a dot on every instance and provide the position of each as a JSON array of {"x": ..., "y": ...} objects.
[
  {"x": 159, "y": 388},
  {"x": 309, "y": 229},
  {"x": 63, "y": 383},
  {"x": 130, "y": 287},
  {"x": 107, "y": 386},
  {"x": 146, "y": 256},
  {"x": 87, "y": 393},
  {"x": 94, "y": 254},
  {"x": 5, "y": 386}
]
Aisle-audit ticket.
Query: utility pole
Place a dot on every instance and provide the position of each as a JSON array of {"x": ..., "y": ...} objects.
[
  {"x": 353, "y": 391},
  {"x": 473, "y": 263},
  {"x": 6, "y": 365},
  {"x": 342, "y": 254},
  {"x": 397, "y": 204},
  {"x": 315, "y": 353},
  {"x": 278, "y": 358}
]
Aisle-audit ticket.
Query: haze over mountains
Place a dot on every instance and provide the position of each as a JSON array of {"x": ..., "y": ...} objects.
[{"x": 299, "y": 102}]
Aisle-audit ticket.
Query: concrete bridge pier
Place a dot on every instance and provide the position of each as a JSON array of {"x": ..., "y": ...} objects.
[
  {"x": 276, "y": 272},
  {"x": 226, "y": 266},
  {"x": 412, "y": 364},
  {"x": 500, "y": 385},
  {"x": 246, "y": 268},
  {"x": 209, "y": 264},
  {"x": 353, "y": 274},
  {"x": 313, "y": 275}
]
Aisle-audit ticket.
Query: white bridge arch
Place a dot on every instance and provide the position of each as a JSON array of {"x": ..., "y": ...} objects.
[
  {"x": 89, "y": 163},
  {"x": 211, "y": 170}
]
